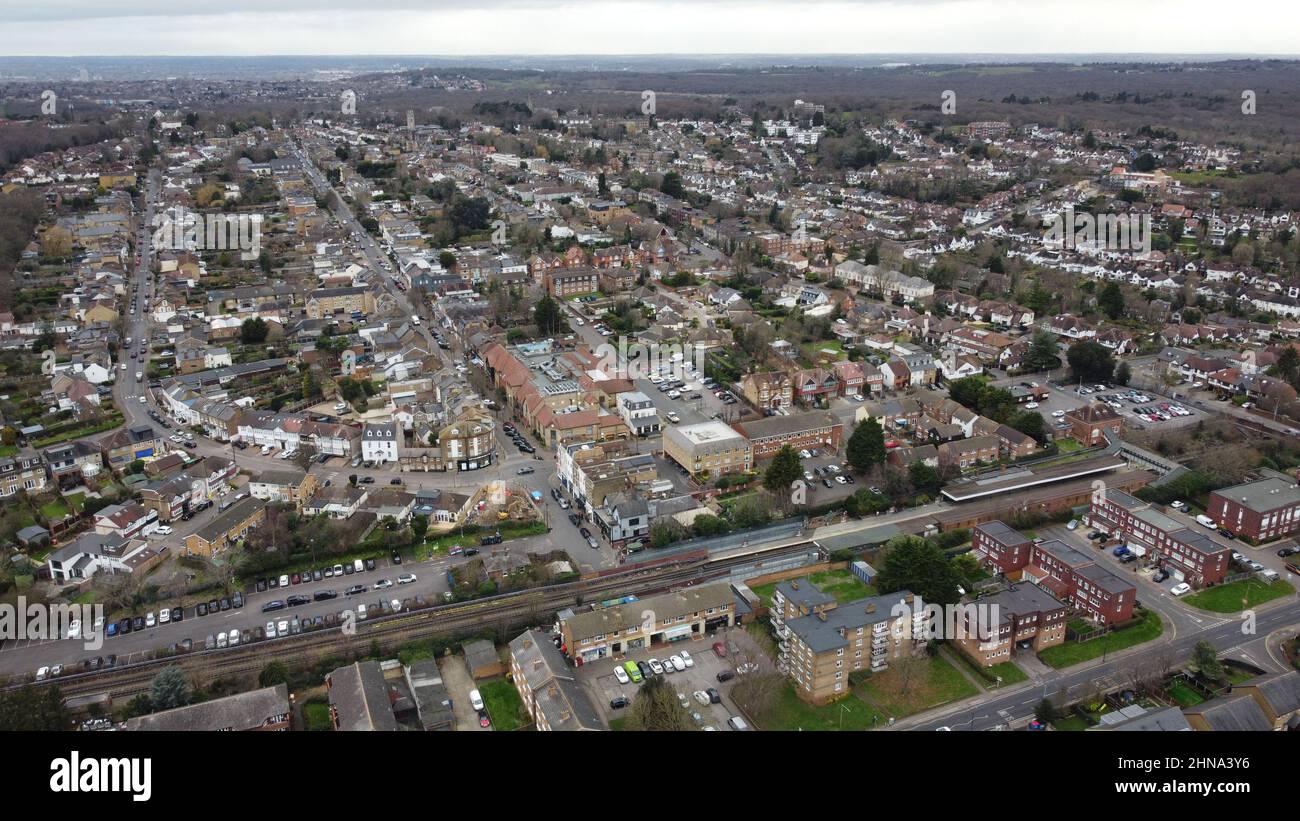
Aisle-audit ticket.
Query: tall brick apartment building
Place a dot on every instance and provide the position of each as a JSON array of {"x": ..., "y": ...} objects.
[
  {"x": 1070, "y": 575},
  {"x": 821, "y": 642},
  {"x": 1260, "y": 511}
]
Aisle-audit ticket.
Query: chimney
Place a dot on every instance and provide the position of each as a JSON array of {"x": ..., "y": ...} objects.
[
  {"x": 871, "y": 607},
  {"x": 794, "y": 585},
  {"x": 528, "y": 644}
]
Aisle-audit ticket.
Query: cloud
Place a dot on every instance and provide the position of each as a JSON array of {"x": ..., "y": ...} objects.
[{"x": 632, "y": 27}]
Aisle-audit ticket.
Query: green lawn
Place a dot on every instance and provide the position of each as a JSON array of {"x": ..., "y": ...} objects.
[
  {"x": 1227, "y": 598},
  {"x": 764, "y": 592},
  {"x": 1073, "y": 723},
  {"x": 1068, "y": 445},
  {"x": 316, "y": 715},
  {"x": 1074, "y": 652},
  {"x": 1009, "y": 672},
  {"x": 1185, "y": 696},
  {"x": 841, "y": 584},
  {"x": 503, "y": 704},
  {"x": 55, "y": 511},
  {"x": 77, "y": 500},
  {"x": 439, "y": 545},
  {"x": 791, "y": 713},
  {"x": 939, "y": 683}
]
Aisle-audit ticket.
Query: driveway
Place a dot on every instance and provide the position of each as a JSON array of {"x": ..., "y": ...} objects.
[{"x": 456, "y": 677}]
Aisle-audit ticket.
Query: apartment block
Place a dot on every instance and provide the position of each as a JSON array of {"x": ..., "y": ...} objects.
[
  {"x": 1189, "y": 552},
  {"x": 1261, "y": 511},
  {"x": 708, "y": 446},
  {"x": 821, "y": 642},
  {"x": 572, "y": 282},
  {"x": 1027, "y": 615},
  {"x": 1070, "y": 575},
  {"x": 814, "y": 429}
]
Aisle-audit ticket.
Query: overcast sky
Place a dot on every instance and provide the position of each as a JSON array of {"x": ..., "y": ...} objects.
[{"x": 477, "y": 27}]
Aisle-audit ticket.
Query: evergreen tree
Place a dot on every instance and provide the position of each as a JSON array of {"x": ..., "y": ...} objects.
[
  {"x": 169, "y": 689},
  {"x": 866, "y": 447},
  {"x": 1111, "y": 300},
  {"x": 784, "y": 469}
]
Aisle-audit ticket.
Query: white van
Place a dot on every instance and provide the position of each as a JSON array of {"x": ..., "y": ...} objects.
[
  {"x": 737, "y": 723},
  {"x": 1204, "y": 521},
  {"x": 1268, "y": 575},
  {"x": 359, "y": 566}
]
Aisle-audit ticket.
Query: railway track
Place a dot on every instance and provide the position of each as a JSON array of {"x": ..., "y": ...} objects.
[{"x": 391, "y": 632}]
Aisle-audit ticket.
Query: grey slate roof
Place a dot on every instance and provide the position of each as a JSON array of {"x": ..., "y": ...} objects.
[
  {"x": 821, "y": 636},
  {"x": 243, "y": 711}
]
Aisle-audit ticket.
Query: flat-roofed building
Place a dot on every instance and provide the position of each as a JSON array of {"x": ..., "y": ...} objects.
[
  {"x": 1261, "y": 511},
  {"x": 708, "y": 446}
]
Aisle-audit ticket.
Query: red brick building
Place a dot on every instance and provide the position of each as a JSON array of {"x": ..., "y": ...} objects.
[
  {"x": 1070, "y": 575},
  {"x": 1091, "y": 423},
  {"x": 815, "y": 429},
  {"x": 1261, "y": 511},
  {"x": 1191, "y": 554}
]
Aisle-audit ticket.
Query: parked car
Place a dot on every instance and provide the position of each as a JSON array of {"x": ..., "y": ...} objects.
[
  {"x": 633, "y": 671},
  {"x": 619, "y": 702},
  {"x": 1180, "y": 589},
  {"x": 725, "y": 675},
  {"x": 720, "y": 649},
  {"x": 621, "y": 675}
]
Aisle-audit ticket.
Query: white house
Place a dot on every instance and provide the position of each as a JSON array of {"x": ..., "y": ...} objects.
[{"x": 379, "y": 442}]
